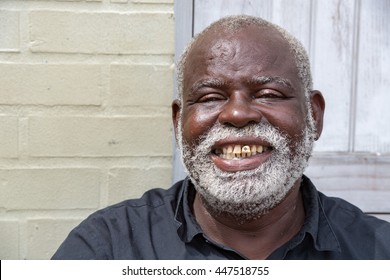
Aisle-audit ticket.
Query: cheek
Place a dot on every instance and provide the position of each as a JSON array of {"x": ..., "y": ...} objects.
[
  {"x": 291, "y": 121},
  {"x": 196, "y": 122}
]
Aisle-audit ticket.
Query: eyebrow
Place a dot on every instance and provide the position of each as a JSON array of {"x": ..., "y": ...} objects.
[
  {"x": 211, "y": 82},
  {"x": 255, "y": 80},
  {"x": 262, "y": 80}
]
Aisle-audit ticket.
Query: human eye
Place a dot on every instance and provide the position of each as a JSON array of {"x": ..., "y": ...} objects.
[
  {"x": 211, "y": 97},
  {"x": 268, "y": 94}
]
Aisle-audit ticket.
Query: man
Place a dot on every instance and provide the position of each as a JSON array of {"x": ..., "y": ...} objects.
[{"x": 245, "y": 121}]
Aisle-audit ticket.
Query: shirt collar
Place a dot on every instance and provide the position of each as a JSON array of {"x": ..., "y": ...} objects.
[
  {"x": 187, "y": 227},
  {"x": 316, "y": 222}
]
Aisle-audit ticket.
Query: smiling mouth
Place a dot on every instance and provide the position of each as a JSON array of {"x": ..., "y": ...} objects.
[{"x": 237, "y": 152}]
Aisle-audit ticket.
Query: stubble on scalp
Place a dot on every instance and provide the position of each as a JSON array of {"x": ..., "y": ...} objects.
[{"x": 233, "y": 24}]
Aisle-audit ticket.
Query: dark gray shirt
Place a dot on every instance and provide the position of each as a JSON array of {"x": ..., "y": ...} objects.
[{"x": 160, "y": 225}]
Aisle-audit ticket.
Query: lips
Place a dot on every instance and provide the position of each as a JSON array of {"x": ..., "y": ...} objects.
[
  {"x": 239, "y": 154},
  {"x": 238, "y": 151}
]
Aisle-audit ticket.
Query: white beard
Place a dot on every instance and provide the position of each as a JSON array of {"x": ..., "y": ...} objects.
[{"x": 246, "y": 194}]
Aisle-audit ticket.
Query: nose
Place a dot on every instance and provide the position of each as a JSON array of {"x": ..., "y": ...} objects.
[{"x": 239, "y": 111}]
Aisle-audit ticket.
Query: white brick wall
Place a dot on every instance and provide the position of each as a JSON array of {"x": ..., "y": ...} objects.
[
  {"x": 9, "y": 245},
  {"x": 99, "y": 136},
  {"x": 101, "y": 33},
  {"x": 8, "y": 136},
  {"x": 130, "y": 84},
  {"x": 50, "y": 84},
  {"x": 9, "y": 39},
  {"x": 85, "y": 93}
]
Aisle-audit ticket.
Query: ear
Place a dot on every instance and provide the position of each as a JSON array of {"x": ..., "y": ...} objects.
[
  {"x": 176, "y": 106},
  {"x": 318, "y": 108}
]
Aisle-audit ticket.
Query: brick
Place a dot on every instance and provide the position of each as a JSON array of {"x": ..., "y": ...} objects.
[
  {"x": 43, "y": 84},
  {"x": 9, "y": 26},
  {"x": 125, "y": 183},
  {"x": 8, "y": 136},
  {"x": 51, "y": 188},
  {"x": 119, "y": 1},
  {"x": 66, "y": 0},
  {"x": 154, "y": 1},
  {"x": 46, "y": 235},
  {"x": 9, "y": 236},
  {"x": 69, "y": 0},
  {"x": 150, "y": 85},
  {"x": 100, "y": 136},
  {"x": 91, "y": 33}
]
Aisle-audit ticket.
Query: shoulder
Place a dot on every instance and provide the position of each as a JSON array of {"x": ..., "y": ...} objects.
[
  {"x": 155, "y": 202},
  {"x": 365, "y": 236},
  {"x": 115, "y": 231},
  {"x": 347, "y": 214}
]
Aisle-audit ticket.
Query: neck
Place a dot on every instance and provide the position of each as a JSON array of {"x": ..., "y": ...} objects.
[{"x": 254, "y": 238}]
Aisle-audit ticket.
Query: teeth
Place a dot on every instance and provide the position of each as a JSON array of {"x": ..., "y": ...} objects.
[
  {"x": 238, "y": 151},
  {"x": 229, "y": 150},
  {"x": 246, "y": 149},
  {"x": 253, "y": 150}
]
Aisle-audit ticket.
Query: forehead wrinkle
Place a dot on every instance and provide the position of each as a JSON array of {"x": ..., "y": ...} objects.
[
  {"x": 209, "y": 82},
  {"x": 262, "y": 80}
]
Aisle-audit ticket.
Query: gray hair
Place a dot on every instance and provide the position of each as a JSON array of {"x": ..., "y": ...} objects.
[{"x": 232, "y": 24}]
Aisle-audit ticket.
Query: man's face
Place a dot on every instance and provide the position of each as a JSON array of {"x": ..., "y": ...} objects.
[{"x": 243, "y": 124}]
